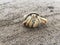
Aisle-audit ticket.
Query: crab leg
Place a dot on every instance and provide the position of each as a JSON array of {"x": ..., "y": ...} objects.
[
  {"x": 44, "y": 21},
  {"x": 39, "y": 18},
  {"x": 28, "y": 20}
]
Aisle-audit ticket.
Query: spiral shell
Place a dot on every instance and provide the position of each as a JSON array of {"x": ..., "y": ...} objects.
[{"x": 33, "y": 20}]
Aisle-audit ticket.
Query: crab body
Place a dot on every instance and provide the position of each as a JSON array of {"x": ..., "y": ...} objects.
[{"x": 33, "y": 20}]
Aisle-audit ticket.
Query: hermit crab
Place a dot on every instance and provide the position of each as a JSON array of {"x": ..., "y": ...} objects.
[{"x": 33, "y": 20}]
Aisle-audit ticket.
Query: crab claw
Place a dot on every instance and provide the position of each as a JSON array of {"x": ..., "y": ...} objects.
[{"x": 36, "y": 23}]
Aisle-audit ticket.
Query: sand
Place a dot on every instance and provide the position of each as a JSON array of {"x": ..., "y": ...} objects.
[{"x": 12, "y": 32}]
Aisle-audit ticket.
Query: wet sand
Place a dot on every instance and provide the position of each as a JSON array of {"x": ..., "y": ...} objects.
[{"x": 13, "y": 33}]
